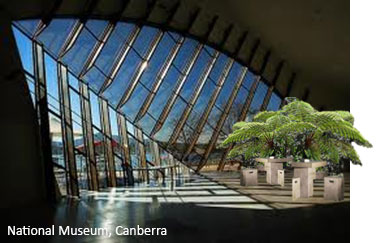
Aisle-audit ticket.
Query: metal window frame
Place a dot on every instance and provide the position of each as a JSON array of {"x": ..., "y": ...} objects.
[
  {"x": 242, "y": 117},
  {"x": 222, "y": 119},
  {"x": 67, "y": 130},
  {"x": 202, "y": 80},
  {"x": 43, "y": 118},
  {"x": 211, "y": 103},
  {"x": 126, "y": 156},
  {"x": 177, "y": 89},
  {"x": 88, "y": 136},
  {"x": 106, "y": 130},
  {"x": 140, "y": 69},
  {"x": 142, "y": 155},
  {"x": 159, "y": 79}
]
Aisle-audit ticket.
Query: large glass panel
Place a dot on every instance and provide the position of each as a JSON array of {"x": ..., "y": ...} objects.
[
  {"x": 148, "y": 149},
  {"x": 30, "y": 25},
  {"x": 214, "y": 116},
  {"x": 75, "y": 58},
  {"x": 147, "y": 123},
  {"x": 100, "y": 158},
  {"x": 144, "y": 40},
  {"x": 96, "y": 27},
  {"x": 194, "y": 75},
  {"x": 25, "y": 49},
  {"x": 275, "y": 102},
  {"x": 52, "y": 84},
  {"x": 82, "y": 170},
  {"x": 219, "y": 67},
  {"x": 132, "y": 143},
  {"x": 155, "y": 63},
  {"x": 164, "y": 92},
  {"x": 115, "y": 131},
  {"x": 94, "y": 106},
  {"x": 235, "y": 111},
  {"x": 229, "y": 85},
  {"x": 205, "y": 136},
  {"x": 116, "y": 89},
  {"x": 54, "y": 36},
  {"x": 185, "y": 54},
  {"x": 258, "y": 97},
  {"x": 249, "y": 80},
  {"x": 171, "y": 121},
  {"x": 133, "y": 105}
]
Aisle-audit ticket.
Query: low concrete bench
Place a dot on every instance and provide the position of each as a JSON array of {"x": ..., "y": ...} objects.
[{"x": 249, "y": 177}]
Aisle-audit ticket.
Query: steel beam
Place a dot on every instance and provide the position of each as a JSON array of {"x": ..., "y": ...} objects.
[
  {"x": 142, "y": 156},
  {"x": 290, "y": 85},
  {"x": 159, "y": 79},
  {"x": 177, "y": 89},
  {"x": 211, "y": 103},
  {"x": 241, "y": 42},
  {"x": 97, "y": 49},
  {"x": 202, "y": 80},
  {"x": 126, "y": 156},
  {"x": 43, "y": 118},
  {"x": 272, "y": 87},
  {"x": 222, "y": 119},
  {"x": 67, "y": 130},
  {"x": 306, "y": 94},
  {"x": 140, "y": 70},
  {"x": 242, "y": 117},
  {"x": 120, "y": 58},
  {"x": 108, "y": 144},
  {"x": 265, "y": 61},
  {"x": 71, "y": 38},
  {"x": 88, "y": 136}
]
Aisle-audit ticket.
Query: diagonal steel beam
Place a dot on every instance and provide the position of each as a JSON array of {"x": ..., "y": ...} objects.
[
  {"x": 67, "y": 130},
  {"x": 272, "y": 87},
  {"x": 126, "y": 156},
  {"x": 182, "y": 120},
  {"x": 88, "y": 136},
  {"x": 211, "y": 103},
  {"x": 222, "y": 119},
  {"x": 177, "y": 89},
  {"x": 140, "y": 69},
  {"x": 159, "y": 79},
  {"x": 71, "y": 38},
  {"x": 290, "y": 85},
  {"x": 120, "y": 58},
  {"x": 242, "y": 117}
]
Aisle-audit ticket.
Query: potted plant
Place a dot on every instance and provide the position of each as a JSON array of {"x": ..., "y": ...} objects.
[{"x": 301, "y": 131}]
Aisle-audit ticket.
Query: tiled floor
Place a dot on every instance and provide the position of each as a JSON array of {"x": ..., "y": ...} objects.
[{"x": 199, "y": 211}]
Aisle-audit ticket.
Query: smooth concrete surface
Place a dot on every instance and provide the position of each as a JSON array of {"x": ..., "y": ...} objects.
[
  {"x": 249, "y": 177},
  {"x": 307, "y": 176},
  {"x": 281, "y": 177},
  {"x": 296, "y": 188},
  {"x": 334, "y": 188},
  {"x": 197, "y": 217},
  {"x": 272, "y": 172}
]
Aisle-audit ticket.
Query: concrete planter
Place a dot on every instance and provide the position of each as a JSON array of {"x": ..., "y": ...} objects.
[
  {"x": 334, "y": 188},
  {"x": 249, "y": 177}
]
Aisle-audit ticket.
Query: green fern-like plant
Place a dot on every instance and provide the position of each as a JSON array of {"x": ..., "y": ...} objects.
[{"x": 298, "y": 130}]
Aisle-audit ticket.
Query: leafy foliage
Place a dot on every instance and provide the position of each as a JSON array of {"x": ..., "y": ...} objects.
[{"x": 300, "y": 131}]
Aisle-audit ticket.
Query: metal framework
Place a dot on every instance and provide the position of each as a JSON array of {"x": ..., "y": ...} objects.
[
  {"x": 108, "y": 144},
  {"x": 125, "y": 149},
  {"x": 88, "y": 137},
  {"x": 43, "y": 118},
  {"x": 67, "y": 130},
  {"x": 180, "y": 82},
  {"x": 221, "y": 121}
]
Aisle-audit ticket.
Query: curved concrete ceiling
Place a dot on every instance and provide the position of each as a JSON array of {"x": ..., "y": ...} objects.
[{"x": 275, "y": 38}]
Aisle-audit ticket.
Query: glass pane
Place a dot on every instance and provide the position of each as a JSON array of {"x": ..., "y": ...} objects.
[
  {"x": 114, "y": 131},
  {"x": 56, "y": 140},
  {"x": 249, "y": 80},
  {"x": 274, "y": 103},
  {"x": 157, "y": 60},
  {"x": 81, "y": 168},
  {"x": 96, "y": 26},
  {"x": 228, "y": 86},
  {"x": 185, "y": 54},
  {"x": 167, "y": 129},
  {"x": 132, "y": 143},
  {"x": 219, "y": 67},
  {"x": 111, "y": 49},
  {"x": 94, "y": 106},
  {"x": 75, "y": 58},
  {"x": 73, "y": 82},
  {"x": 116, "y": 89},
  {"x": 133, "y": 105},
  {"x": 148, "y": 149},
  {"x": 52, "y": 84},
  {"x": 205, "y": 136},
  {"x": 95, "y": 78},
  {"x": 30, "y": 25},
  {"x": 194, "y": 75},
  {"x": 25, "y": 50},
  {"x": 54, "y": 36},
  {"x": 100, "y": 158},
  {"x": 258, "y": 97},
  {"x": 147, "y": 123},
  {"x": 144, "y": 39},
  {"x": 164, "y": 92},
  {"x": 214, "y": 116}
]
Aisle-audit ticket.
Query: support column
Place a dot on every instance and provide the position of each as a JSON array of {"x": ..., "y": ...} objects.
[
  {"x": 143, "y": 159},
  {"x": 125, "y": 148},
  {"x": 88, "y": 136},
  {"x": 67, "y": 130},
  {"x": 108, "y": 144}
]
